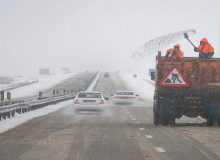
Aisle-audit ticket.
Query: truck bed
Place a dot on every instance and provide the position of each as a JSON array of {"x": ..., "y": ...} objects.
[{"x": 199, "y": 74}]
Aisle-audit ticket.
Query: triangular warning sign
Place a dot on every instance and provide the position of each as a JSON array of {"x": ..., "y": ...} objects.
[{"x": 174, "y": 78}]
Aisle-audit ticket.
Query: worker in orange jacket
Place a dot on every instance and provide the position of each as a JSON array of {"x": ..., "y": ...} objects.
[
  {"x": 205, "y": 49},
  {"x": 175, "y": 52}
]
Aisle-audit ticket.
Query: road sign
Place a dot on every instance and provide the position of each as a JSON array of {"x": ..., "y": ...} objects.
[{"x": 174, "y": 78}]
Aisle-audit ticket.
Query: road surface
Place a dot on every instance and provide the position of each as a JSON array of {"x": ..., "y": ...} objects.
[{"x": 120, "y": 133}]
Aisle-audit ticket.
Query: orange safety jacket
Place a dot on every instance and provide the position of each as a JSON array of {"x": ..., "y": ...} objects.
[
  {"x": 206, "y": 48},
  {"x": 174, "y": 54}
]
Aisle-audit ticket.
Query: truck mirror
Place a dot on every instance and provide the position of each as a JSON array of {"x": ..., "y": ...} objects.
[
  {"x": 152, "y": 73},
  {"x": 153, "y": 76}
]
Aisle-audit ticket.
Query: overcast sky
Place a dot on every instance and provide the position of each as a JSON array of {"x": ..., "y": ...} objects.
[{"x": 94, "y": 34}]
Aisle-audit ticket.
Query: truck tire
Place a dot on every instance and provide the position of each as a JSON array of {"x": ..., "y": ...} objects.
[
  {"x": 218, "y": 121},
  {"x": 217, "y": 109},
  {"x": 218, "y": 115},
  {"x": 168, "y": 120},
  {"x": 165, "y": 120},
  {"x": 214, "y": 114},
  {"x": 210, "y": 120},
  {"x": 156, "y": 113},
  {"x": 172, "y": 116},
  {"x": 168, "y": 114},
  {"x": 164, "y": 114},
  {"x": 172, "y": 121}
]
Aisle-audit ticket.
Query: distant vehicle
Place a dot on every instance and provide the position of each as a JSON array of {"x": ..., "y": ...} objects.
[
  {"x": 124, "y": 97},
  {"x": 44, "y": 71},
  {"x": 89, "y": 101},
  {"x": 135, "y": 75},
  {"x": 189, "y": 86},
  {"x": 106, "y": 74}
]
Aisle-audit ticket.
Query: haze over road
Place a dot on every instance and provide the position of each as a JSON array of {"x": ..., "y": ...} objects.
[{"x": 95, "y": 35}]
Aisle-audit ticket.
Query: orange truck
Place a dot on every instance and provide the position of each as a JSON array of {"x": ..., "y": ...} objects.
[{"x": 188, "y": 86}]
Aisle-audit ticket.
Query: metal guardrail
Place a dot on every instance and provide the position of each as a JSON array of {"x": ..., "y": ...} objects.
[{"x": 10, "y": 110}]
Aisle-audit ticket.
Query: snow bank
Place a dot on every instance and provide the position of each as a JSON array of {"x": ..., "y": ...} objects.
[
  {"x": 19, "y": 119},
  {"x": 93, "y": 83},
  {"x": 17, "y": 80},
  {"x": 141, "y": 85},
  {"x": 43, "y": 83}
]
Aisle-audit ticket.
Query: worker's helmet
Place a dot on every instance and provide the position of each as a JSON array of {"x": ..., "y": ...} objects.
[
  {"x": 205, "y": 40},
  {"x": 177, "y": 46}
]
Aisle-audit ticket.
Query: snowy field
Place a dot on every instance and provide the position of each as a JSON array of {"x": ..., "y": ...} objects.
[
  {"x": 43, "y": 83},
  {"x": 17, "y": 80}
]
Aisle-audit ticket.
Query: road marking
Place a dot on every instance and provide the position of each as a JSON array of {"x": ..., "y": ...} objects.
[
  {"x": 142, "y": 129},
  {"x": 137, "y": 122},
  {"x": 148, "y": 136},
  {"x": 134, "y": 119},
  {"x": 131, "y": 116},
  {"x": 160, "y": 149}
]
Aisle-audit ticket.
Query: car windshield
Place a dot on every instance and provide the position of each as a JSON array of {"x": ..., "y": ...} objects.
[
  {"x": 89, "y": 95},
  {"x": 125, "y": 93},
  {"x": 109, "y": 79}
]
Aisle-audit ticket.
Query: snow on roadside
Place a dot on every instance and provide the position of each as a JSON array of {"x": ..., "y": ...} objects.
[
  {"x": 93, "y": 83},
  {"x": 43, "y": 83},
  {"x": 141, "y": 85},
  {"x": 19, "y": 119},
  {"x": 17, "y": 80}
]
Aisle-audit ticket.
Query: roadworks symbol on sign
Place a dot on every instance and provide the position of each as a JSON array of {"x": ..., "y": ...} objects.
[{"x": 174, "y": 78}]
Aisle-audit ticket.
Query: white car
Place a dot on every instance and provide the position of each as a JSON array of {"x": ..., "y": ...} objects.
[
  {"x": 124, "y": 97},
  {"x": 89, "y": 101}
]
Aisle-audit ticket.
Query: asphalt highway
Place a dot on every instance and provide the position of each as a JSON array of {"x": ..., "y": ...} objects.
[{"x": 121, "y": 132}]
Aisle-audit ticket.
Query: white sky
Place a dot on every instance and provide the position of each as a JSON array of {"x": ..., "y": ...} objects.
[{"x": 94, "y": 34}]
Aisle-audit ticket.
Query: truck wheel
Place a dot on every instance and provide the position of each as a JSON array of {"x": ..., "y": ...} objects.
[
  {"x": 217, "y": 114},
  {"x": 172, "y": 121},
  {"x": 210, "y": 120},
  {"x": 168, "y": 115},
  {"x": 172, "y": 115},
  {"x": 165, "y": 121},
  {"x": 156, "y": 115},
  {"x": 165, "y": 115},
  {"x": 218, "y": 120}
]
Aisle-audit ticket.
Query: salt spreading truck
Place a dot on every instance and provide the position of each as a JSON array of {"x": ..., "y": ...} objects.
[{"x": 189, "y": 86}]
